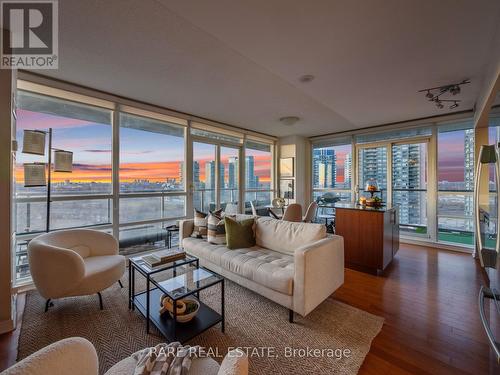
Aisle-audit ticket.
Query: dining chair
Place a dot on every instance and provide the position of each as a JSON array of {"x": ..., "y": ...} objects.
[
  {"x": 254, "y": 211},
  {"x": 231, "y": 209},
  {"x": 293, "y": 212},
  {"x": 310, "y": 213}
]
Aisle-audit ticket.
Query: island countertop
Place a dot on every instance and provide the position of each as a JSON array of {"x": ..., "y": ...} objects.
[{"x": 355, "y": 206}]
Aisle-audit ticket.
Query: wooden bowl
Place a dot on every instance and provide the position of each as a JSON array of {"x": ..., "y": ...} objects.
[{"x": 184, "y": 318}]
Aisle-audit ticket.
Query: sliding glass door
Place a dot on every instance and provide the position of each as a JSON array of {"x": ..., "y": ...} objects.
[{"x": 409, "y": 186}]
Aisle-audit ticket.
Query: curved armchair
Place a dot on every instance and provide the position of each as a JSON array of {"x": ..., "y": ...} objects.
[{"x": 74, "y": 262}]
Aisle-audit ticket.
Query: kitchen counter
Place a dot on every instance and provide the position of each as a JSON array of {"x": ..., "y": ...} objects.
[
  {"x": 354, "y": 206},
  {"x": 371, "y": 235}
]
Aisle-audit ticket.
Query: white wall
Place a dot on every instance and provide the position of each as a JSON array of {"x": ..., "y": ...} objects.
[
  {"x": 298, "y": 147},
  {"x": 7, "y": 83}
]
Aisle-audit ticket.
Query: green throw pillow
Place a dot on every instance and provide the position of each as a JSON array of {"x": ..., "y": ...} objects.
[{"x": 239, "y": 234}]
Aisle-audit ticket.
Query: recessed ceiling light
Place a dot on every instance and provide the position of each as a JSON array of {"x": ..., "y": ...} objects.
[
  {"x": 289, "y": 120},
  {"x": 306, "y": 78}
]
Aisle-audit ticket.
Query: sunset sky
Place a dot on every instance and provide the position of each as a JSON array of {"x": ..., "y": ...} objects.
[{"x": 143, "y": 155}]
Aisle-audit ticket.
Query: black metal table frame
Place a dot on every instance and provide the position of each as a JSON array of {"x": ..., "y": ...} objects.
[{"x": 133, "y": 267}]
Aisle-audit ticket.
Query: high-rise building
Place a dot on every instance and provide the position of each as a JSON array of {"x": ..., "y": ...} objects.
[
  {"x": 251, "y": 179},
  {"x": 232, "y": 171},
  {"x": 347, "y": 170},
  {"x": 469, "y": 177},
  {"x": 324, "y": 170},
  {"x": 196, "y": 175},
  {"x": 210, "y": 175},
  {"x": 408, "y": 172},
  {"x": 373, "y": 163},
  {"x": 181, "y": 172}
]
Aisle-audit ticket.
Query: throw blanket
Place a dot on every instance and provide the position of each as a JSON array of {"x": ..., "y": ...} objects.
[{"x": 166, "y": 359}]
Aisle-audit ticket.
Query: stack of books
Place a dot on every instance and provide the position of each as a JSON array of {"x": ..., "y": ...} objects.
[{"x": 164, "y": 256}]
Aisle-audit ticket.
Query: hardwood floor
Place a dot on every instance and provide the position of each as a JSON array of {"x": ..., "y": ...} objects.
[{"x": 429, "y": 300}]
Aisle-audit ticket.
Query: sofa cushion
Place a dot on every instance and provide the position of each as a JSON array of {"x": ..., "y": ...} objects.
[
  {"x": 216, "y": 229},
  {"x": 269, "y": 268},
  {"x": 285, "y": 236},
  {"x": 239, "y": 234}
]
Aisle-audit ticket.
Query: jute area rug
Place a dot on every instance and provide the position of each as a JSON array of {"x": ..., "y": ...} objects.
[{"x": 334, "y": 339}]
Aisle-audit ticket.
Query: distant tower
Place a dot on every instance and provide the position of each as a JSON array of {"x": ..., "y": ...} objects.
[
  {"x": 196, "y": 174},
  {"x": 181, "y": 172},
  {"x": 347, "y": 170},
  {"x": 232, "y": 171},
  {"x": 469, "y": 176},
  {"x": 324, "y": 170},
  {"x": 250, "y": 177},
  {"x": 210, "y": 175}
]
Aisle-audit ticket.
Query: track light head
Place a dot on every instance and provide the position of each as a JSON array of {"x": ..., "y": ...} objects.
[
  {"x": 439, "y": 105},
  {"x": 454, "y": 105},
  {"x": 429, "y": 95},
  {"x": 454, "y": 90}
]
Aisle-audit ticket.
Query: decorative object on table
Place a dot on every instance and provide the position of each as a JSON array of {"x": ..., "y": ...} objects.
[
  {"x": 34, "y": 144},
  {"x": 239, "y": 234},
  {"x": 171, "y": 229},
  {"x": 187, "y": 308},
  {"x": 371, "y": 185},
  {"x": 286, "y": 189},
  {"x": 164, "y": 256},
  {"x": 362, "y": 201},
  {"x": 287, "y": 167},
  {"x": 373, "y": 202},
  {"x": 278, "y": 202}
]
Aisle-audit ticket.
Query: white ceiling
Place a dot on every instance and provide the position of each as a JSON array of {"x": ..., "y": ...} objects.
[{"x": 239, "y": 61}]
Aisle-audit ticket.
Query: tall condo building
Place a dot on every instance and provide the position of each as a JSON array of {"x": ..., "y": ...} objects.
[
  {"x": 347, "y": 170},
  {"x": 324, "y": 172},
  {"x": 252, "y": 180}
]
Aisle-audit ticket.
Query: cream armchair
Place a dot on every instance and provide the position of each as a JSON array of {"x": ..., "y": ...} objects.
[{"x": 75, "y": 262}]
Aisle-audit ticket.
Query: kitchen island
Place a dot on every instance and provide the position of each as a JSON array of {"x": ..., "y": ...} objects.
[{"x": 371, "y": 235}]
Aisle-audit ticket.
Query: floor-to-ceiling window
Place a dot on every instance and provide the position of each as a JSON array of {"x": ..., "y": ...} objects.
[
  {"x": 134, "y": 171},
  {"x": 258, "y": 175},
  {"x": 409, "y": 185},
  {"x": 455, "y": 171},
  {"x": 332, "y": 171},
  {"x": 151, "y": 175},
  {"x": 78, "y": 199}
]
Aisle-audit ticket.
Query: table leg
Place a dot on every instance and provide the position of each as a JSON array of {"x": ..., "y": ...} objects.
[
  {"x": 174, "y": 323},
  {"x": 130, "y": 285},
  {"x": 147, "y": 304},
  {"x": 133, "y": 287},
  {"x": 197, "y": 283},
  {"x": 223, "y": 328}
]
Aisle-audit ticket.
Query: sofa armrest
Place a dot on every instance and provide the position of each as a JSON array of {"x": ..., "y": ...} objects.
[
  {"x": 75, "y": 356},
  {"x": 185, "y": 229},
  {"x": 319, "y": 271},
  {"x": 234, "y": 363}
]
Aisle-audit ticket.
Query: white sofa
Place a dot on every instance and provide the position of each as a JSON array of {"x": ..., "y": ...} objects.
[
  {"x": 296, "y": 265},
  {"x": 77, "y": 356}
]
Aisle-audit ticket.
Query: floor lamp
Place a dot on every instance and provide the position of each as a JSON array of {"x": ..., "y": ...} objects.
[{"x": 34, "y": 173}]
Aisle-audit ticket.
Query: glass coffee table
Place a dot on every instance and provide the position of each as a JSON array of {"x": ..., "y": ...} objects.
[{"x": 177, "y": 280}]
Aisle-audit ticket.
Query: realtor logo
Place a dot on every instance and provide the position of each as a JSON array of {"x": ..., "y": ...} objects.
[{"x": 29, "y": 34}]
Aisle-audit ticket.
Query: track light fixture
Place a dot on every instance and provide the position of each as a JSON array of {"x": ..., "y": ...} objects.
[{"x": 433, "y": 94}]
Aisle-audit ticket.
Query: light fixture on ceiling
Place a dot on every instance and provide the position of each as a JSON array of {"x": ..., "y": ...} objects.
[
  {"x": 306, "y": 78},
  {"x": 433, "y": 94},
  {"x": 289, "y": 120}
]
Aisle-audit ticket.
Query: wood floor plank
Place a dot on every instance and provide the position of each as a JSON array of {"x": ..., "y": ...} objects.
[{"x": 428, "y": 298}]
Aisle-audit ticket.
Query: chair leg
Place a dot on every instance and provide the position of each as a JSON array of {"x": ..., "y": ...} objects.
[
  {"x": 120, "y": 282},
  {"x": 100, "y": 300},
  {"x": 290, "y": 315},
  {"x": 48, "y": 304}
]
